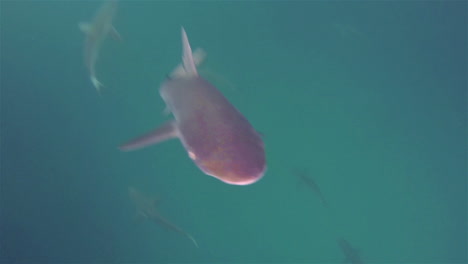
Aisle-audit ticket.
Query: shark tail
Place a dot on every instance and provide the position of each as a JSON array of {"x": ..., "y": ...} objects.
[{"x": 96, "y": 83}]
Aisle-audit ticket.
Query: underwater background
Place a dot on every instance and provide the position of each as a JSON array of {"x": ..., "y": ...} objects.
[{"x": 368, "y": 97}]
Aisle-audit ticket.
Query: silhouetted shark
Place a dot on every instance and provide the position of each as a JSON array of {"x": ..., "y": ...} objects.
[
  {"x": 217, "y": 137},
  {"x": 146, "y": 208},
  {"x": 96, "y": 32},
  {"x": 309, "y": 181},
  {"x": 351, "y": 254}
]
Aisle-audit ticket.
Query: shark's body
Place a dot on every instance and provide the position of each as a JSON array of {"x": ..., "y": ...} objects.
[
  {"x": 307, "y": 180},
  {"x": 96, "y": 32},
  {"x": 217, "y": 137},
  {"x": 351, "y": 254},
  {"x": 147, "y": 208}
]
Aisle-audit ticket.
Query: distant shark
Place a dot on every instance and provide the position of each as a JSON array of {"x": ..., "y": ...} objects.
[
  {"x": 310, "y": 182},
  {"x": 216, "y": 136},
  {"x": 146, "y": 208},
  {"x": 96, "y": 32},
  {"x": 351, "y": 254}
]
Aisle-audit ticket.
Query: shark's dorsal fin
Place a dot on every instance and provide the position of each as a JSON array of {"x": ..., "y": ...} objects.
[
  {"x": 198, "y": 56},
  {"x": 187, "y": 57}
]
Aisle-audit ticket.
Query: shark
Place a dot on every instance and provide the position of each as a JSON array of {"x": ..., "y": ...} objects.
[
  {"x": 96, "y": 32},
  {"x": 351, "y": 254},
  {"x": 216, "y": 136},
  {"x": 147, "y": 209},
  {"x": 310, "y": 182}
]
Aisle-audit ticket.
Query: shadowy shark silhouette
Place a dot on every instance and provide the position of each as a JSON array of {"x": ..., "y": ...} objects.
[
  {"x": 217, "y": 137},
  {"x": 310, "y": 182},
  {"x": 351, "y": 254},
  {"x": 96, "y": 32},
  {"x": 147, "y": 209}
]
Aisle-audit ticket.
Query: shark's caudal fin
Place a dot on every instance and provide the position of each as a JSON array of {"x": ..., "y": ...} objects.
[
  {"x": 164, "y": 132},
  {"x": 187, "y": 57}
]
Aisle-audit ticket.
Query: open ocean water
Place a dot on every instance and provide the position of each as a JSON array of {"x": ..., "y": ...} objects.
[{"x": 369, "y": 98}]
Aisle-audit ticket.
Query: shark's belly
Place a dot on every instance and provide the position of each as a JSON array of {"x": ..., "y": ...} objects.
[{"x": 218, "y": 138}]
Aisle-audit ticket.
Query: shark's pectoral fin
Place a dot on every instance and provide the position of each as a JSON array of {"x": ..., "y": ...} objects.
[
  {"x": 166, "y": 111},
  {"x": 85, "y": 27},
  {"x": 192, "y": 239},
  {"x": 162, "y": 133},
  {"x": 115, "y": 34}
]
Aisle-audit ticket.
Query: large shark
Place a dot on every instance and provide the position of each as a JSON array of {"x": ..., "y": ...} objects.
[
  {"x": 96, "y": 32},
  {"x": 217, "y": 137},
  {"x": 147, "y": 208},
  {"x": 351, "y": 254}
]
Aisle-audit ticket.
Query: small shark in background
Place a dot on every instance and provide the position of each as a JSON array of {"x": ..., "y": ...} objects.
[
  {"x": 96, "y": 32},
  {"x": 309, "y": 181},
  {"x": 351, "y": 254},
  {"x": 147, "y": 208},
  {"x": 217, "y": 137}
]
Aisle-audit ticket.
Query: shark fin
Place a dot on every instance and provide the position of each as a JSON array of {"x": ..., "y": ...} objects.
[
  {"x": 197, "y": 56},
  {"x": 166, "y": 111},
  {"x": 85, "y": 27},
  {"x": 187, "y": 57},
  {"x": 115, "y": 34},
  {"x": 167, "y": 131},
  {"x": 192, "y": 239}
]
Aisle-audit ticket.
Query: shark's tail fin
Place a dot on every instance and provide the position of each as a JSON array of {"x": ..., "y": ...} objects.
[{"x": 96, "y": 83}]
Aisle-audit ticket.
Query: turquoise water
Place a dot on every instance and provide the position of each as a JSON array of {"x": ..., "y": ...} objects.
[{"x": 368, "y": 97}]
